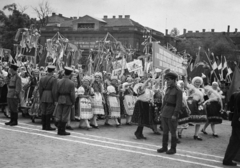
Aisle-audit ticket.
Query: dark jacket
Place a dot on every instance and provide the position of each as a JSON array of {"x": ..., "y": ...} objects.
[
  {"x": 234, "y": 106},
  {"x": 172, "y": 102},
  {"x": 14, "y": 86},
  {"x": 47, "y": 89},
  {"x": 65, "y": 91}
]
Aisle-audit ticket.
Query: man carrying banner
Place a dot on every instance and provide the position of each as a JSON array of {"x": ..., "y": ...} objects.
[
  {"x": 13, "y": 95},
  {"x": 47, "y": 87}
]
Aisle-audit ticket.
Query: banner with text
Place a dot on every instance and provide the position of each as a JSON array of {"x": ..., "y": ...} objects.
[{"x": 163, "y": 59}]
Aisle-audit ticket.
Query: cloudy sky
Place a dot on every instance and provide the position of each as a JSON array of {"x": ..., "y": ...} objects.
[{"x": 157, "y": 14}]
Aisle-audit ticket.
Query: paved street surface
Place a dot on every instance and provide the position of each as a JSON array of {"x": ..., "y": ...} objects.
[{"x": 27, "y": 146}]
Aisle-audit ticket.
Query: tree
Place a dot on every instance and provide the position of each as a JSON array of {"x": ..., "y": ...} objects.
[
  {"x": 12, "y": 23},
  {"x": 42, "y": 11},
  {"x": 174, "y": 32}
]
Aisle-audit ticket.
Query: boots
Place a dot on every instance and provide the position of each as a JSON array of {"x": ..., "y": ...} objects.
[
  {"x": 164, "y": 144},
  {"x": 15, "y": 119},
  {"x": 11, "y": 120},
  {"x": 43, "y": 122},
  {"x": 173, "y": 146},
  {"x": 62, "y": 129},
  {"x": 48, "y": 123},
  {"x": 139, "y": 134}
]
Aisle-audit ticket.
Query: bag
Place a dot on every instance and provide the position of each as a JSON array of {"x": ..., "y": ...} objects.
[{"x": 157, "y": 116}]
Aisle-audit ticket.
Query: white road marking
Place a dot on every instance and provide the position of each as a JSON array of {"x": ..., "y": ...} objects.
[
  {"x": 114, "y": 148},
  {"x": 118, "y": 140},
  {"x": 125, "y": 145}
]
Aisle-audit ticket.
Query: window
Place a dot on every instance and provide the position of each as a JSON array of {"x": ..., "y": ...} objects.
[{"x": 86, "y": 25}]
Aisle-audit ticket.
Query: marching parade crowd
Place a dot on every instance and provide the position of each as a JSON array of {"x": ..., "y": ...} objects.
[{"x": 153, "y": 100}]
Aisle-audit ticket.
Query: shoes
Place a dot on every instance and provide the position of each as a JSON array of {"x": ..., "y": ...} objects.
[
  {"x": 143, "y": 137},
  {"x": 171, "y": 151},
  {"x": 68, "y": 127},
  {"x": 229, "y": 163},
  {"x": 204, "y": 132},
  {"x": 197, "y": 138},
  {"x": 62, "y": 129},
  {"x": 94, "y": 126},
  {"x": 107, "y": 124},
  {"x": 157, "y": 133},
  {"x": 15, "y": 119},
  {"x": 178, "y": 141},
  {"x": 190, "y": 124},
  {"x": 88, "y": 127},
  {"x": 179, "y": 136},
  {"x": 215, "y": 135},
  {"x": 162, "y": 150},
  {"x": 129, "y": 124},
  {"x": 118, "y": 125},
  {"x": 137, "y": 136}
]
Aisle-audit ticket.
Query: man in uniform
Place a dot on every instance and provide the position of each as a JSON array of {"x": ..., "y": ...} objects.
[
  {"x": 47, "y": 92},
  {"x": 13, "y": 95},
  {"x": 66, "y": 99},
  {"x": 172, "y": 104},
  {"x": 234, "y": 143}
]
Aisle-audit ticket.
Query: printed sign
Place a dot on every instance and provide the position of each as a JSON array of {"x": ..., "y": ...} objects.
[
  {"x": 134, "y": 65},
  {"x": 163, "y": 59}
]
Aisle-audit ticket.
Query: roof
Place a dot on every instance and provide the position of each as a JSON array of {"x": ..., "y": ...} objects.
[{"x": 111, "y": 22}]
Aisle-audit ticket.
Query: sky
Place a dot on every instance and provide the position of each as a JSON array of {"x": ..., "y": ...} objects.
[{"x": 193, "y": 15}]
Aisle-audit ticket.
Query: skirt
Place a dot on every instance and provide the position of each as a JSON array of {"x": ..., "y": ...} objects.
[
  {"x": 213, "y": 113},
  {"x": 114, "y": 107},
  {"x": 143, "y": 114},
  {"x": 97, "y": 106},
  {"x": 85, "y": 108},
  {"x": 198, "y": 116},
  {"x": 129, "y": 103},
  {"x": 183, "y": 118}
]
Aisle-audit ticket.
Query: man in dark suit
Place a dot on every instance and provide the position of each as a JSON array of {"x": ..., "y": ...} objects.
[
  {"x": 234, "y": 143},
  {"x": 65, "y": 95},
  {"x": 47, "y": 87}
]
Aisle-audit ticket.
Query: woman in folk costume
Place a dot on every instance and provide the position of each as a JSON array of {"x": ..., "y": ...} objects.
[
  {"x": 85, "y": 93},
  {"x": 185, "y": 112},
  {"x": 214, "y": 106},
  {"x": 128, "y": 101},
  {"x": 113, "y": 101},
  {"x": 143, "y": 107},
  {"x": 195, "y": 103},
  {"x": 97, "y": 102}
]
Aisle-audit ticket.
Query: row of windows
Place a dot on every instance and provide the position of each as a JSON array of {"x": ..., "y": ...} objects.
[{"x": 86, "y": 25}]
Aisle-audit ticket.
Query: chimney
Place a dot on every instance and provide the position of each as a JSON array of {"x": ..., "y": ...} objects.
[
  {"x": 74, "y": 17},
  {"x": 203, "y": 30},
  {"x": 105, "y": 17},
  {"x": 120, "y": 16},
  {"x": 60, "y": 14},
  {"x": 114, "y": 17},
  {"x": 184, "y": 31},
  {"x": 228, "y": 29},
  {"x": 166, "y": 32},
  {"x": 53, "y": 14},
  {"x": 236, "y": 30},
  {"x": 212, "y": 30},
  {"x": 127, "y": 16},
  {"x": 197, "y": 31}
]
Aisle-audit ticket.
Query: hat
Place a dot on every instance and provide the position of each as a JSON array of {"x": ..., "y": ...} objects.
[
  {"x": 68, "y": 69},
  {"x": 215, "y": 83},
  {"x": 171, "y": 75},
  {"x": 87, "y": 78},
  {"x": 51, "y": 67},
  {"x": 135, "y": 88},
  {"x": 14, "y": 67},
  {"x": 98, "y": 74},
  {"x": 197, "y": 78},
  {"x": 114, "y": 78}
]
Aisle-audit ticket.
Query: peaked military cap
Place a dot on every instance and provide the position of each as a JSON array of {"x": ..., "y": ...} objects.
[
  {"x": 68, "y": 69},
  {"x": 171, "y": 75},
  {"x": 51, "y": 67},
  {"x": 14, "y": 67}
]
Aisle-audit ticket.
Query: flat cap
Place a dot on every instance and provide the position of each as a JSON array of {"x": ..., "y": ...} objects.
[
  {"x": 171, "y": 75},
  {"x": 51, "y": 67},
  {"x": 14, "y": 67}
]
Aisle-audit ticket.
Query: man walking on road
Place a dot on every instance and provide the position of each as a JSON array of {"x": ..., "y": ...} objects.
[
  {"x": 13, "y": 95},
  {"x": 66, "y": 99},
  {"x": 172, "y": 104},
  {"x": 234, "y": 143},
  {"x": 47, "y": 92}
]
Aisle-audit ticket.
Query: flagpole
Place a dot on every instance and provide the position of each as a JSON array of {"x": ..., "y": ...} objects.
[{"x": 212, "y": 67}]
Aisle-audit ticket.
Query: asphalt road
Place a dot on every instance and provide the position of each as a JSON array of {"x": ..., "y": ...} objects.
[{"x": 27, "y": 146}]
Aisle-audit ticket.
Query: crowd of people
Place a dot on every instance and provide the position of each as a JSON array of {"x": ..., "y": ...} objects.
[{"x": 152, "y": 100}]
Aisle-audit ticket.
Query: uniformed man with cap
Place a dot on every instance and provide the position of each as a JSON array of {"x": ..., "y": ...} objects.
[
  {"x": 47, "y": 90},
  {"x": 66, "y": 99},
  {"x": 13, "y": 99},
  {"x": 172, "y": 104}
]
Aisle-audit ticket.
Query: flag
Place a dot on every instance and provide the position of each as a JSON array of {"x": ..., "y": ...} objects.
[
  {"x": 224, "y": 68},
  {"x": 220, "y": 63},
  {"x": 235, "y": 84},
  {"x": 214, "y": 64}
]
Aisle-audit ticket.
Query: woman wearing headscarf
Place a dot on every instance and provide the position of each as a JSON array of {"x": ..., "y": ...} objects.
[
  {"x": 97, "y": 104},
  {"x": 214, "y": 107},
  {"x": 85, "y": 93},
  {"x": 195, "y": 103}
]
